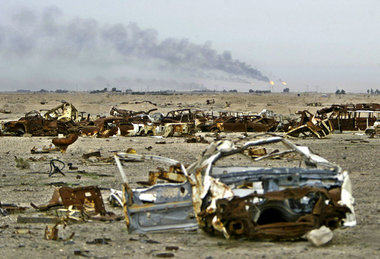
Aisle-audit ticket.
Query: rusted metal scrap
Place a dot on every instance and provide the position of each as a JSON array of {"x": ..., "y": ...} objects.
[
  {"x": 51, "y": 232},
  {"x": 244, "y": 123},
  {"x": 34, "y": 123},
  {"x": 351, "y": 117},
  {"x": 64, "y": 112},
  {"x": 273, "y": 203},
  {"x": 173, "y": 175},
  {"x": 255, "y": 152},
  {"x": 63, "y": 143},
  {"x": 96, "y": 157},
  {"x": 183, "y": 122},
  {"x": 159, "y": 207},
  {"x": 87, "y": 199},
  {"x": 310, "y": 126},
  {"x": 179, "y": 116},
  {"x": 178, "y": 129},
  {"x": 106, "y": 127}
]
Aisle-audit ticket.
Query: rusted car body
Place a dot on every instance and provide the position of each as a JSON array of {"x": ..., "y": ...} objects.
[
  {"x": 249, "y": 124},
  {"x": 55, "y": 121},
  {"x": 35, "y": 124},
  {"x": 182, "y": 122},
  {"x": 351, "y": 117},
  {"x": 122, "y": 126},
  {"x": 279, "y": 202},
  {"x": 110, "y": 126},
  {"x": 86, "y": 199},
  {"x": 238, "y": 122},
  {"x": 182, "y": 115}
]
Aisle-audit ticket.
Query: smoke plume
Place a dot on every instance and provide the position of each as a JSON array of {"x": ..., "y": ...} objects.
[{"x": 46, "y": 46}]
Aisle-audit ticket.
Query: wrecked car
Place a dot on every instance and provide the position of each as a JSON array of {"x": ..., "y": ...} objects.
[
  {"x": 280, "y": 202},
  {"x": 227, "y": 122},
  {"x": 59, "y": 120},
  {"x": 34, "y": 123},
  {"x": 182, "y": 115},
  {"x": 106, "y": 127},
  {"x": 351, "y": 117},
  {"x": 299, "y": 193},
  {"x": 249, "y": 124}
]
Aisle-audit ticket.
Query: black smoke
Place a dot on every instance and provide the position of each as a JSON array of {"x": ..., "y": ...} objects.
[{"x": 49, "y": 37}]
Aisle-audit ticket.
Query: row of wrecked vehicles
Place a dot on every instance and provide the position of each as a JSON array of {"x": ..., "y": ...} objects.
[
  {"x": 299, "y": 193},
  {"x": 66, "y": 119}
]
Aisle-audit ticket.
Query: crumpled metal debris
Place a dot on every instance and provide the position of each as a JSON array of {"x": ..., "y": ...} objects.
[
  {"x": 87, "y": 199},
  {"x": 269, "y": 202},
  {"x": 159, "y": 207},
  {"x": 80, "y": 204},
  {"x": 64, "y": 112},
  {"x": 173, "y": 175},
  {"x": 311, "y": 126},
  {"x": 351, "y": 117},
  {"x": 97, "y": 159},
  {"x": 51, "y": 232}
]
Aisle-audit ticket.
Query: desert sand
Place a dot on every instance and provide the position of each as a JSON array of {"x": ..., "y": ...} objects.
[{"x": 353, "y": 151}]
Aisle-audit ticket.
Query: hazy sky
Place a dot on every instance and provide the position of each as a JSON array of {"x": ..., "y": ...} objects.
[{"x": 312, "y": 45}]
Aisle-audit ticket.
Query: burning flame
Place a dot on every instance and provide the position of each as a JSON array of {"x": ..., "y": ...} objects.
[
  {"x": 284, "y": 83},
  {"x": 271, "y": 82}
]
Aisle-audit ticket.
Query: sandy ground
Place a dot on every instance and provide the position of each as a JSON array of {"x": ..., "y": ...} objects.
[{"x": 356, "y": 153}]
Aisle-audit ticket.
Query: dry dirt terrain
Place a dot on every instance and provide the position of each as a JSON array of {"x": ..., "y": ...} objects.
[{"x": 354, "y": 152}]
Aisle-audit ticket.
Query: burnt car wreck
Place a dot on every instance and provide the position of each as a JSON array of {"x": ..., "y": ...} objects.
[
  {"x": 59, "y": 120},
  {"x": 351, "y": 117},
  {"x": 269, "y": 203},
  {"x": 299, "y": 193}
]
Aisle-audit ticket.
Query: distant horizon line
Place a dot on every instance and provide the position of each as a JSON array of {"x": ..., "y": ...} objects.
[{"x": 130, "y": 91}]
